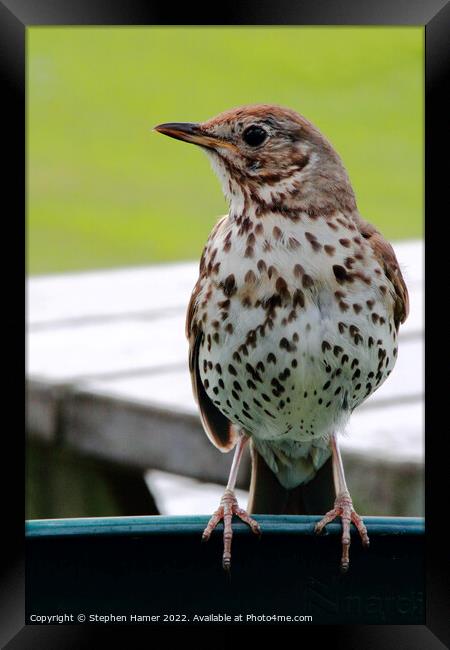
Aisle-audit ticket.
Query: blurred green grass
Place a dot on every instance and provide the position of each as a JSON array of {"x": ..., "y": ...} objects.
[{"x": 103, "y": 190}]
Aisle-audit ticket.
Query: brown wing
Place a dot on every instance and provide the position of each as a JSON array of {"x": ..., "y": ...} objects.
[
  {"x": 222, "y": 433},
  {"x": 386, "y": 256}
]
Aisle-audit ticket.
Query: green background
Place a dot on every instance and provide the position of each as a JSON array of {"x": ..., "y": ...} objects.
[{"x": 104, "y": 190}]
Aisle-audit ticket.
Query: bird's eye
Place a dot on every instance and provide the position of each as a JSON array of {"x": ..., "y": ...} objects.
[{"x": 254, "y": 136}]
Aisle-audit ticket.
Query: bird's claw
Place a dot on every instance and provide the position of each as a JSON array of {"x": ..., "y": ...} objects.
[
  {"x": 228, "y": 507},
  {"x": 343, "y": 508}
]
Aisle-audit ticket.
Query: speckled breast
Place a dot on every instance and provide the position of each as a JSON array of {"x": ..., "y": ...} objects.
[{"x": 296, "y": 333}]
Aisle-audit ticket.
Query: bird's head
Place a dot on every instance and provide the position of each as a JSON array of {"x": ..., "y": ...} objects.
[{"x": 266, "y": 155}]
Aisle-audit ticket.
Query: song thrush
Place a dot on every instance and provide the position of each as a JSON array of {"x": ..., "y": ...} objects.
[{"x": 294, "y": 319}]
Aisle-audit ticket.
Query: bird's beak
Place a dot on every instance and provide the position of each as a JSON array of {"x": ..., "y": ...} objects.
[{"x": 191, "y": 132}]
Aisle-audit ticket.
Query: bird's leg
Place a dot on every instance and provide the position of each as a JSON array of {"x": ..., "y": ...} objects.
[
  {"x": 343, "y": 508},
  {"x": 229, "y": 507}
]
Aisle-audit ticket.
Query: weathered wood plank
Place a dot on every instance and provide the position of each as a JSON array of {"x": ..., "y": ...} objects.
[
  {"x": 101, "y": 349},
  {"x": 42, "y": 404},
  {"x": 172, "y": 439},
  {"x": 107, "y": 368},
  {"x": 394, "y": 434},
  {"x": 145, "y": 292},
  {"x": 128, "y": 346},
  {"x": 100, "y": 295},
  {"x": 124, "y": 321},
  {"x": 142, "y": 436},
  {"x": 172, "y": 389}
]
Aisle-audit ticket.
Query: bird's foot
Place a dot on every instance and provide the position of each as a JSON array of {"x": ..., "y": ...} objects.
[
  {"x": 228, "y": 507},
  {"x": 343, "y": 508}
]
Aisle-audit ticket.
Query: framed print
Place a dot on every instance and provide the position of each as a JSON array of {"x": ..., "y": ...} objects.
[{"x": 159, "y": 335}]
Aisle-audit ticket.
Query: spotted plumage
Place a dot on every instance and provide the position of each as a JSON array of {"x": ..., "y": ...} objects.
[{"x": 293, "y": 321}]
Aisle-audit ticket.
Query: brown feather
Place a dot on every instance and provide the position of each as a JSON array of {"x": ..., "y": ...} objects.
[
  {"x": 385, "y": 254},
  {"x": 222, "y": 433},
  {"x": 268, "y": 496}
]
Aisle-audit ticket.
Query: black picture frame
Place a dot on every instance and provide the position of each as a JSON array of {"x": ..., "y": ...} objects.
[{"x": 434, "y": 15}]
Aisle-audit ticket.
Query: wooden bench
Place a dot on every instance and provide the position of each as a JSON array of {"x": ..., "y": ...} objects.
[{"x": 107, "y": 379}]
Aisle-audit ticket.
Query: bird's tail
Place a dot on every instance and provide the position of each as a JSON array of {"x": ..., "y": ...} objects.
[{"x": 268, "y": 496}]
